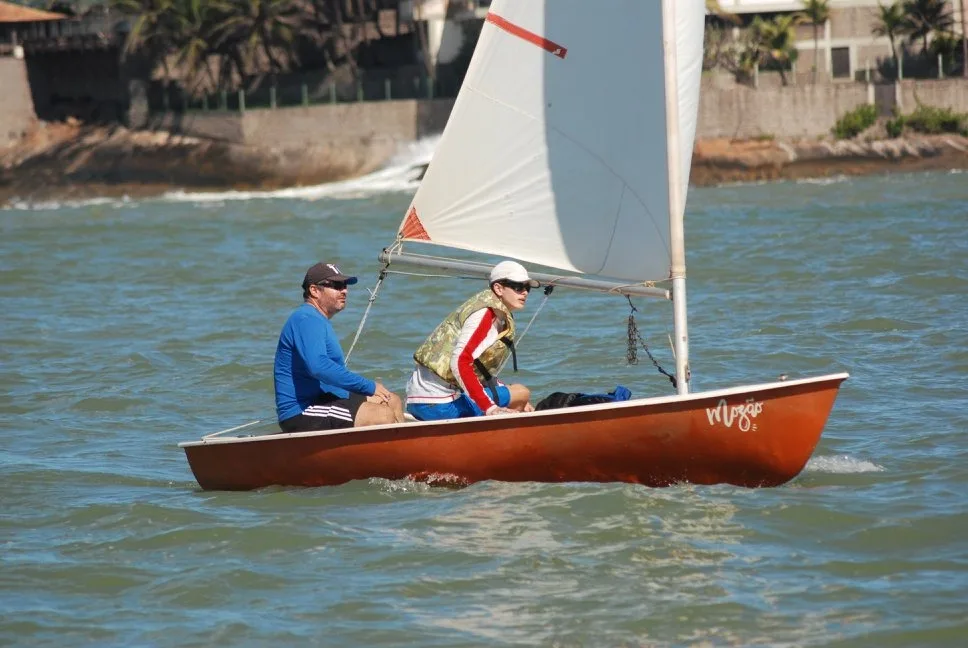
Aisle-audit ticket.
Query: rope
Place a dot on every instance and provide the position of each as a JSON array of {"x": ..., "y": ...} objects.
[
  {"x": 369, "y": 305},
  {"x": 634, "y": 338},
  {"x": 547, "y": 293}
]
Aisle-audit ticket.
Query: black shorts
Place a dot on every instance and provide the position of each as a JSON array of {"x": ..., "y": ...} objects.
[{"x": 328, "y": 412}]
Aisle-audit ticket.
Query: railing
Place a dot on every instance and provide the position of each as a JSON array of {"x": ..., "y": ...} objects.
[
  {"x": 104, "y": 25},
  {"x": 305, "y": 94}
]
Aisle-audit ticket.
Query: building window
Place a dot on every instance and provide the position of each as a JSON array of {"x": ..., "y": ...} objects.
[{"x": 840, "y": 62}]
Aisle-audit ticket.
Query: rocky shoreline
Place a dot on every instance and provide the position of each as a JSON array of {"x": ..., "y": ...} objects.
[
  {"x": 72, "y": 161},
  {"x": 724, "y": 161}
]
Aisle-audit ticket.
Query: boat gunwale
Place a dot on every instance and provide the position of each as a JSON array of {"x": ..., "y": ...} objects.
[{"x": 214, "y": 439}]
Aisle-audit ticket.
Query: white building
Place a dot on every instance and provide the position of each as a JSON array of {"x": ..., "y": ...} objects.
[{"x": 847, "y": 44}]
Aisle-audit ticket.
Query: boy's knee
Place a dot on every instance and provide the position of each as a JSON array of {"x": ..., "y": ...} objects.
[{"x": 520, "y": 391}]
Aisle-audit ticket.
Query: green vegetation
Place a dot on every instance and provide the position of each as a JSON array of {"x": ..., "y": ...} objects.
[
  {"x": 214, "y": 46},
  {"x": 928, "y": 119},
  {"x": 817, "y": 12},
  {"x": 855, "y": 122},
  {"x": 895, "y": 126},
  {"x": 889, "y": 22},
  {"x": 771, "y": 42},
  {"x": 925, "y": 17}
]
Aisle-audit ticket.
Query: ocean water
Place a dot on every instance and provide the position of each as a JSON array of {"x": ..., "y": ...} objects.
[{"x": 128, "y": 326}]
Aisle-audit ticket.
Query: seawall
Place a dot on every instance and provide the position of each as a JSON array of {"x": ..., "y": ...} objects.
[{"x": 743, "y": 135}]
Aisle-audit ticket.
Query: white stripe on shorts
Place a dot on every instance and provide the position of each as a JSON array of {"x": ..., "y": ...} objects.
[{"x": 329, "y": 411}]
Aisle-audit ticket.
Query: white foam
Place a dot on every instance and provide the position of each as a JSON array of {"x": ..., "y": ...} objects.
[
  {"x": 401, "y": 174},
  {"x": 841, "y": 465},
  {"x": 51, "y": 205},
  {"x": 823, "y": 182}
]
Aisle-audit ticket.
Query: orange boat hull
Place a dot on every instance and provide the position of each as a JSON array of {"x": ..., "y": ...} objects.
[{"x": 751, "y": 436}]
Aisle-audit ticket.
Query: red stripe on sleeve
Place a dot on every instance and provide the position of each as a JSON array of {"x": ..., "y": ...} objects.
[
  {"x": 465, "y": 364},
  {"x": 531, "y": 37}
]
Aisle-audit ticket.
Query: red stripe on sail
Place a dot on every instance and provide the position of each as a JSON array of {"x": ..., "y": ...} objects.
[
  {"x": 531, "y": 37},
  {"x": 412, "y": 227}
]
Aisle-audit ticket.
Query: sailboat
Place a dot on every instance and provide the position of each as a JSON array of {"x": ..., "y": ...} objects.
[{"x": 573, "y": 131}]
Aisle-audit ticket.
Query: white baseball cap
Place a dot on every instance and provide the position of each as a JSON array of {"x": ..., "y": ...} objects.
[{"x": 512, "y": 271}]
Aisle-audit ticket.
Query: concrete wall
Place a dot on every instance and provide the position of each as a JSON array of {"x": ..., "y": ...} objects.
[
  {"x": 940, "y": 93},
  {"x": 217, "y": 125},
  {"x": 346, "y": 124},
  {"x": 371, "y": 130},
  {"x": 394, "y": 121},
  {"x": 16, "y": 105},
  {"x": 801, "y": 111},
  {"x": 304, "y": 144}
]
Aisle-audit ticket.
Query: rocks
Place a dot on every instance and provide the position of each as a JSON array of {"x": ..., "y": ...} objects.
[{"x": 720, "y": 161}]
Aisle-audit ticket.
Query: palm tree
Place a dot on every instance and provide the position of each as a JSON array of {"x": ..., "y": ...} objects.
[
  {"x": 193, "y": 25},
  {"x": 326, "y": 26},
  {"x": 260, "y": 27},
  {"x": 817, "y": 12},
  {"x": 889, "y": 21},
  {"x": 713, "y": 8},
  {"x": 777, "y": 41},
  {"x": 151, "y": 31},
  {"x": 926, "y": 16}
]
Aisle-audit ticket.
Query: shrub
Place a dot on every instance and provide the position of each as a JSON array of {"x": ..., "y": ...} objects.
[
  {"x": 895, "y": 127},
  {"x": 855, "y": 122},
  {"x": 928, "y": 119}
]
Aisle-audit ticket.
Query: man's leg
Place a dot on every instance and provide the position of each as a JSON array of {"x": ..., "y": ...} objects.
[{"x": 377, "y": 412}]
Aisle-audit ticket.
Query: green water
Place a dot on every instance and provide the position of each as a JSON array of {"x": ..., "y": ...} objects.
[{"x": 130, "y": 326}]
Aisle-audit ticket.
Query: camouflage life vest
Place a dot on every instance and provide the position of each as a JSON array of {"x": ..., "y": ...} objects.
[{"x": 437, "y": 349}]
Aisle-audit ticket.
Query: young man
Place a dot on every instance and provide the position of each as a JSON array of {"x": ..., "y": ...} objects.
[
  {"x": 456, "y": 364},
  {"x": 314, "y": 389}
]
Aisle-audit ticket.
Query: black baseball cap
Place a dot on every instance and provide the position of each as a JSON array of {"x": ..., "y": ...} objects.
[{"x": 325, "y": 272}]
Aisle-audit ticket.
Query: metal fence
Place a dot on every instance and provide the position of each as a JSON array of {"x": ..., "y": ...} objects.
[{"x": 271, "y": 96}]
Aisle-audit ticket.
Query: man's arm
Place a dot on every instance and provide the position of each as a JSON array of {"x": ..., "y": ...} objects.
[
  {"x": 478, "y": 333},
  {"x": 313, "y": 340}
]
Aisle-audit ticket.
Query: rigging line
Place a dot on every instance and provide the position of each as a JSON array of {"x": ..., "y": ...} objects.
[
  {"x": 547, "y": 293},
  {"x": 369, "y": 305},
  {"x": 635, "y": 337}
]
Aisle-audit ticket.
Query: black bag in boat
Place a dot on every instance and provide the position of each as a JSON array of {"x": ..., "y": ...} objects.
[{"x": 574, "y": 399}]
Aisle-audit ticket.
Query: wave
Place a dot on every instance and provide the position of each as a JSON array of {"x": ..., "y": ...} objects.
[
  {"x": 51, "y": 205},
  {"x": 402, "y": 173},
  {"x": 823, "y": 182},
  {"x": 841, "y": 465}
]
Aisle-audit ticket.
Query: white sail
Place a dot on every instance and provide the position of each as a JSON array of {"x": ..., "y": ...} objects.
[{"x": 556, "y": 150}]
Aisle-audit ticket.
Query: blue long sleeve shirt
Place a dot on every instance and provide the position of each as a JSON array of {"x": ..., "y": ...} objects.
[{"x": 310, "y": 361}]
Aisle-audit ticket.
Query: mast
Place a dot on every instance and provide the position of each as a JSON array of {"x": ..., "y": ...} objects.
[{"x": 676, "y": 198}]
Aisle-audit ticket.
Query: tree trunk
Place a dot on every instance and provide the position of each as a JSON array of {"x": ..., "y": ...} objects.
[
  {"x": 816, "y": 51},
  {"x": 964, "y": 42},
  {"x": 894, "y": 55}
]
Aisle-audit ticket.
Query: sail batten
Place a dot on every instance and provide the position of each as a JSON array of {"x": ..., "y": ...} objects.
[{"x": 555, "y": 151}]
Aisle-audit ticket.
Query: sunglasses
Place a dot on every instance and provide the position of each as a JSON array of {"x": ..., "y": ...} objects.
[
  {"x": 335, "y": 285},
  {"x": 516, "y": 286}
]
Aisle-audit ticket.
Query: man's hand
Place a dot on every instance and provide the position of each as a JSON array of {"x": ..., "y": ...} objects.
[{"x": 381, "y": 393}]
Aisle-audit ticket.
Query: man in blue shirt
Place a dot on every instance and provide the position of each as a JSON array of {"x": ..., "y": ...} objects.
[{"x": 314, "y": 389}]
